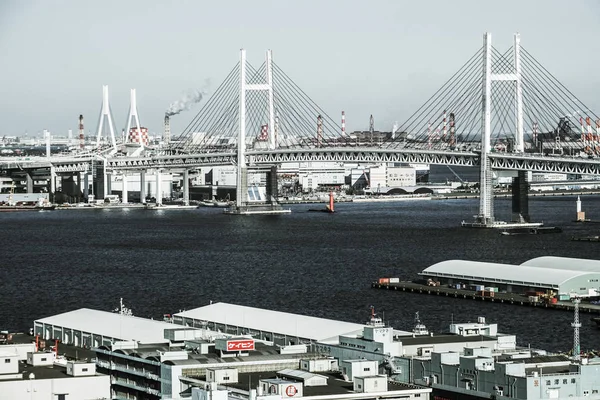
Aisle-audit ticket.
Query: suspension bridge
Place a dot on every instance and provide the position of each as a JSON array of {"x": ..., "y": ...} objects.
[{"x": 502, "y": 110}]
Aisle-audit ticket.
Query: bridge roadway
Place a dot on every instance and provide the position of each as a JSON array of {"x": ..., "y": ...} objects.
[{"x": 499, "y": 161}]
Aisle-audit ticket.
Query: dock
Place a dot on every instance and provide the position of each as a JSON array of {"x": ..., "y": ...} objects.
[{"x": 503, "y": 298}]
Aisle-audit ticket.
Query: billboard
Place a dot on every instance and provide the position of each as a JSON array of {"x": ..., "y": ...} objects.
[{"x": 240, "y": 345}]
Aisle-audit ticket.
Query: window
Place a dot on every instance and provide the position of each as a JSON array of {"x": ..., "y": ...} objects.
[
  {"x": 594, "y": 391},
  {"x": 572, "y": 380},
  {"x": 43, "y": 359},
  {"x": 7, "y": 361},
  {"x": 366, "y": 369},
  {"x": 84, "y": 370},
  {"x": 564, "y": 381},
  {"x": 548, "y": 383},
  {"x": 225, "y": 378},
  {"x": 556, "y": 381}
]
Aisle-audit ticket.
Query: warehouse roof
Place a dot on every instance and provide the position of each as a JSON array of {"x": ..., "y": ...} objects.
[
  {"x": 503, "y": 273},
  {"x": 271, "y": 321},
  {"x": 578, "y": 264},
  {"x": 110, "y": 324}
]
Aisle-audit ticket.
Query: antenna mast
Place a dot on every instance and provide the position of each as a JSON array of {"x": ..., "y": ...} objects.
[{"x": 576, "y": 325}]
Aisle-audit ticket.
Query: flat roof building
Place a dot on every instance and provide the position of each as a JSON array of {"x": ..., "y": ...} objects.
[
  {"x": 92, "y": 328},
  {"x": 563, "y": 275},
  {"x": 273, "y": 326}
]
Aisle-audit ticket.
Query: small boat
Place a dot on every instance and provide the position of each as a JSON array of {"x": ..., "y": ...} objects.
[
  {"x": 328, "y": 208},
  {"x": 216, "y": 203},
  {"x": 531, "y": 231}
]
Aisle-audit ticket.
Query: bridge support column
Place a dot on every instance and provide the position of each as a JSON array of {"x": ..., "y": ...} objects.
[
  {"x": 86, "y": 185},
  {"x": 520, "y": 199},
  {"x": 29, "y": 182},
  {"x": 272, "y": 186},
  {"x": 158, "y": 188},
  {"x": 78, "y": 186},
  {"x": 486, "y": 195},
  {"x": 186, "y": 187},
  {"x": 107, "y": 183},
  {"x": 52, "y": 188},
  {"x": 143, "y": 187},
  {"x": 124, "y": 194}
]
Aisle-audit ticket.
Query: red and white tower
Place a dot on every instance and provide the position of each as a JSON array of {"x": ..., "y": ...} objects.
[
  {"x": 81, "y": 133},
  {"x": 319, "y": 130},
  {"x": 343, "y": 123},
  {"x": 444, "y": 129}
]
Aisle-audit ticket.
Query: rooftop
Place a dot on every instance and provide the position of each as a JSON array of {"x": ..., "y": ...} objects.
[
  {"x": 335, "y": 384},
  {"x": 302, "y": 326},
  {"x": 262, "y": 352},
  {"x": 110, "y": 324},
  {"x": 505, "y": 273},
  {"x": 444, "y": 338},
  {"x": 42, "y": 372}
]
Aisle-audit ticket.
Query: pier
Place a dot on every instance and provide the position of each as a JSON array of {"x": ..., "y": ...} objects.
[{"x": 503, "y": 298}]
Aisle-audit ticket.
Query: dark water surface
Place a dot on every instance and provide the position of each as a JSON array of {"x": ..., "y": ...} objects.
[{"x": 309, "y": 263}]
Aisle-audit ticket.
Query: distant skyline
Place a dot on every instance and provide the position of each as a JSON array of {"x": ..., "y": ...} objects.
[{"x": 384, "y": 58}]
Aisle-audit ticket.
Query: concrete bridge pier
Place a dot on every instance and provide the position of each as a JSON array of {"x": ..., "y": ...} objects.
[
  {"x": 186, "y": 187},
  {"x": 29, "y": 182},
  {"x": 124, "y": 197},
  {"x": 86, "y": 185},
  {"x": 52, "y": 183},
  {"x": 520, "y": 198},
  {"x": 158, "y": 187},
  {"x": 143, "y": 186}
]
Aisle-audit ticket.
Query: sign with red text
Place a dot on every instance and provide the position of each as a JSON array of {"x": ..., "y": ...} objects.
[{"x": 240, "y": 345}]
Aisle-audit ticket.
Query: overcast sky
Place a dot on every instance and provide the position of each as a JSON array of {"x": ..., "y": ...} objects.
[{"x": 376, "y": 57}]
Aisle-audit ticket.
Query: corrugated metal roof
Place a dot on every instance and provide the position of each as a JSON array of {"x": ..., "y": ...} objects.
[
  {"x": 503, "y": 273},
  {"x": 272, "y": 321},
  {"x": 300, "y": 375},
  {"x": 111, "y": 324},
  {"x": 570, "y": 264}
]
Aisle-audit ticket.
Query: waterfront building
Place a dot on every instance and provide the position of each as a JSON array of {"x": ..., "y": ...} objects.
[
  {"x": 272, "y": 326},
  {"x": 569, "y": 276}
]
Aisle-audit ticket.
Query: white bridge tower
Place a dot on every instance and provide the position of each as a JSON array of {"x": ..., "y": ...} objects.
[
  {"x": 106, "y": 118},
  {"x": 486, "y": 206}
]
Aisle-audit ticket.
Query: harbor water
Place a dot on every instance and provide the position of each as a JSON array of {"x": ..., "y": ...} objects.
[{"x": 319, "y": 264}]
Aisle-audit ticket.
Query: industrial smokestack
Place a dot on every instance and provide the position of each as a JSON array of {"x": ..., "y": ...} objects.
[
  {"x": 444, "y": 130},
  {"x": 429, "y": 135},
  {"x": 319, "y": 130},
  {"x": 81, "y": 133},
  {"x": 47, "y": 138},
  {"x": 167, "y": 134},
  {"x": 452, "y": 129},
  {"x": 371, "y": 127}
]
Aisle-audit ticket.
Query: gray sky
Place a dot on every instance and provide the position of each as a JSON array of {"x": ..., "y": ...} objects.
[{"x": 376, "y": 57}]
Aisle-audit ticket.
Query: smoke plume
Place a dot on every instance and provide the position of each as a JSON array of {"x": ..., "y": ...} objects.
[{"x": 187, "y": 100}]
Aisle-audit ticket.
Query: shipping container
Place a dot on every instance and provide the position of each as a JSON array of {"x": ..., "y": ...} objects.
[
  {"x": 384, "y": 281},
  {"x": 394, "y": 280},
  {"x": 564, "y": 297},
  {"x": 534, "y": 299}
]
